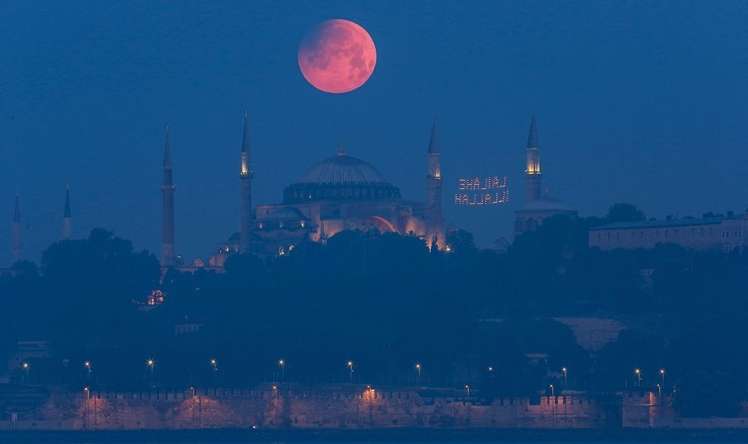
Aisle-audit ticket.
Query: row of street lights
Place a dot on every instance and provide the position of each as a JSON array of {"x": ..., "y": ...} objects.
[
  {"x": 151, "y": 365},
  {"x": 639, "y": 378}
]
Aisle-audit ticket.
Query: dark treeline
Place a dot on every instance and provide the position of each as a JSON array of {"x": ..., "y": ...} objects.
[{"x": 386, "y": 303}]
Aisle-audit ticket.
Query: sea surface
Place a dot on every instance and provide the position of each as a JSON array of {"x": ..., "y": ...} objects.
[{"x": 378, "y": 436}]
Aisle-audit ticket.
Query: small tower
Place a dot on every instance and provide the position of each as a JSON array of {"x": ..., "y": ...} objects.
[
  {"x": 533, "y": 174},
  {"x": 167, "y": 193},
  {"x": 67, "y": 218},
  {"x": 245, "y": 186},
  {"x": 433, "y": 213},
  {"x": 16, "y": 231}
]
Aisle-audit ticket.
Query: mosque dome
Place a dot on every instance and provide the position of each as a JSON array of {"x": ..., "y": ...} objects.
[
  {"x": 341, "y": 177},
  {"x": 342, "y": 168}
]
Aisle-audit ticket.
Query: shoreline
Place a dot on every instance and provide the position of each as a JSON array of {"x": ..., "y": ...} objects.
[{"x": 376, "y": 435}]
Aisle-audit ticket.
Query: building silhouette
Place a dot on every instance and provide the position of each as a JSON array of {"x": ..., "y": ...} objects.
[
  {"x": 718, "y": 232},
  {"x": 341, "y": 192},
  {"x": 168, "y": 255},
  {"x": 67, "y": 217},
  {"x": 538, "y": 206},
  {"x": 247, "y": 216}
]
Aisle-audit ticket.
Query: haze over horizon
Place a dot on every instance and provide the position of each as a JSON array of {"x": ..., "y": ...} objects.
[{"x": 637, "y": 102}]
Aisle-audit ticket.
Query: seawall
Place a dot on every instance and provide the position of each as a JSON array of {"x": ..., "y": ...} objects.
[
  {"x": 342, "y": 408},
  {"x": 301, "y": 409}
]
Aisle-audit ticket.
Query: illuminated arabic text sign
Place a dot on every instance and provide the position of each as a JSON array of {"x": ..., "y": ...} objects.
[{"x": 477, "y": 191}]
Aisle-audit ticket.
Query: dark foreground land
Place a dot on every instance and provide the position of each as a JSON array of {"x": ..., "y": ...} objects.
[{"x": 391, "y": 436}]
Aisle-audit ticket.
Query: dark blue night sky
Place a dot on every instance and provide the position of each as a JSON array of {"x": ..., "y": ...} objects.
[{"x": 637, "y": 101}]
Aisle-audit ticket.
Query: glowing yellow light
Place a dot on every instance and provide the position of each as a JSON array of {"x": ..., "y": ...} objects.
[{"x": 244, "y": 172}]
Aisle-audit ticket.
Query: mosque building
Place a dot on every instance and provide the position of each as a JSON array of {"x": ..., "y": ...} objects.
[{"x": 341, "y": 192}]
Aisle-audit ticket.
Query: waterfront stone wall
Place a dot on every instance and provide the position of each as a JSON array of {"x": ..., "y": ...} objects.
[
  {"x": 343, "y": 408},
  {"x": 317, "y": 409}
]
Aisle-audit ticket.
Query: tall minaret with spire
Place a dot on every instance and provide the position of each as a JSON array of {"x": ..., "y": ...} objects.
[
  {"x": 67, "y": 218},
  {"x": 245, "y": 181},
  {"x": 16, "y": 231},
  {"x": 533, "y": 175},
  {"x": 433, "y": 213},
  {"x": 167, "y": 223}
]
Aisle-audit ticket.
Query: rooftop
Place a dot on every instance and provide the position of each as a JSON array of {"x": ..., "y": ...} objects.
[
  {"x": 342, "y": 169},
  {"x": 683, "y": 222}
]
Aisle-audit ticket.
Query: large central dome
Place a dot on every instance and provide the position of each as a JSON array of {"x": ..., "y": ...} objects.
[
  {"x": 341, "y": 177},
  {"x": 342, "y": 169}
]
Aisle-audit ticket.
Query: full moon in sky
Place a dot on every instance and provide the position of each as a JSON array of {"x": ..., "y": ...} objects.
[{"x": 337, "y": 56}]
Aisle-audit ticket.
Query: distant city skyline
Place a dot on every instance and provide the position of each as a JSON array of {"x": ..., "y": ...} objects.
[{"x": 637, "y": 103}]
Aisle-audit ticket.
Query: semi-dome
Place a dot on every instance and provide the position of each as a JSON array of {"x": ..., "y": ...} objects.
[{"x": 341, "y": 177}]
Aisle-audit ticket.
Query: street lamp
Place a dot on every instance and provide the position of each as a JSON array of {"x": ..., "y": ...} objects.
[
  {"x": 282, "y": 367},
  {"x": 214, "y": 364},
  {"x": 638, "y": 374},
  {"x": 553, "y": 391},
  {"x": 662, "y": 378},
  {"x": 349, "y": 364},
  {"x": 151, "y": 364},
  {"x": 26, "y": 367},
  {"x": 565, "y": 371},
  {"x": 418, "y": 372},
  {"x": 467, "y": 390}
]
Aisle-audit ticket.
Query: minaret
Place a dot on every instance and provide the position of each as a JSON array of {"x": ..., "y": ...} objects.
[
  {"x": 533, "y": 176},
  {"x": 245, "y": 181},
  {"x": 433, "y": 213},
  {"x": 167, "y": 223},
  {"x": 16, "y": 231},
  {"x": 67, "y": 218}
]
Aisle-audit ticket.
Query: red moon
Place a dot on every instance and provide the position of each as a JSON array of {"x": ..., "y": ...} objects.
[{"x": 337, "y": 56}]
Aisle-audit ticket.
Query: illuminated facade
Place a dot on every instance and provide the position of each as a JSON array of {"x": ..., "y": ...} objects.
[
  {"x": 339, "y": 193},
  {"x": 537, "y": 206}
]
